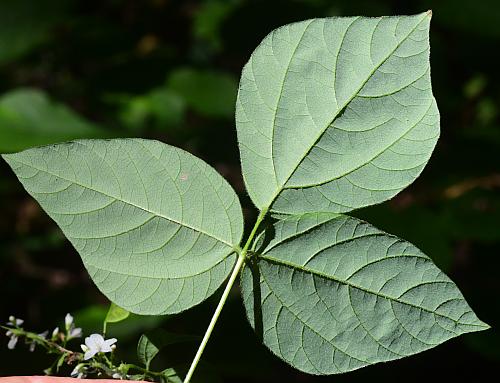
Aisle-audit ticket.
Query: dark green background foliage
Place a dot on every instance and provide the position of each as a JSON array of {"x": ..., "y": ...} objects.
[{"x": 168, "y": 70}]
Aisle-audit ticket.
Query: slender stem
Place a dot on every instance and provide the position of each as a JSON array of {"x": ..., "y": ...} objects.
[
  {"x": 236, "y": 271},
  {"x": 225, "y": 294},
  {"x": 44, "y": 341}
]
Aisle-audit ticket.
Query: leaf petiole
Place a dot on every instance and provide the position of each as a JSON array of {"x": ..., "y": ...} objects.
[{"x": 237, "y": 268}]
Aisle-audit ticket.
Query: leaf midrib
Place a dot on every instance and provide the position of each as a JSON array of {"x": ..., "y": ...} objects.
[
  {"x": 339, "y": 111},
  {"x": 374, "y": 156},
  {"x": 129, "y": 274},
  {"x": 354, "y": 286},
  {"x": 121, "y": 199}
]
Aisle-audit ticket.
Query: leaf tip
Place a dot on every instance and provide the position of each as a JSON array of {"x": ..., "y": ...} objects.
[
  {"x": 481, "y": 326},
  {"x": 485, "y": 326},
  {"x": 6, "y": 157}
]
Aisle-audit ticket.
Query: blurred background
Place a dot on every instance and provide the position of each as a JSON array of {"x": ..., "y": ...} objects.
[{"x": 169, "y": 70}]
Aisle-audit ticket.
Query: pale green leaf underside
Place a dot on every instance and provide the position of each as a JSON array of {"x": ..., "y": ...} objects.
[
  {"x": 155, "y": 226},
  {"x": 336, "y": 114},
  {"x": 330, "y": 294}
]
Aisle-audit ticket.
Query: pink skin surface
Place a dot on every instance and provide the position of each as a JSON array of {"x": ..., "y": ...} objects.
[{"x": 50, "y": 379}]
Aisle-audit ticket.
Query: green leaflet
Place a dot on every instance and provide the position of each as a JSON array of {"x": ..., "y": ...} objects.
[
  {"x": 330, "y": 293},
  {"x": 336, "y": 114},
  {"x": 146, "y": 351},
  {"x": 155, "y": 226}
]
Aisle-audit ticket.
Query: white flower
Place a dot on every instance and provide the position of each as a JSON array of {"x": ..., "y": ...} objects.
[
  {"x": 75, "y": 332},
  {"x": 13, "y": 321},
  {"x": 72, "y": 331},
  {"x": 76, "y": 370},
  {"x": 68, "y": 321},
  {"x": 13, "y": 340},
  {"x": 95, "y": 343},
  {"x": 79, "y": 371},
  {"x": 55, "y": 333}
]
